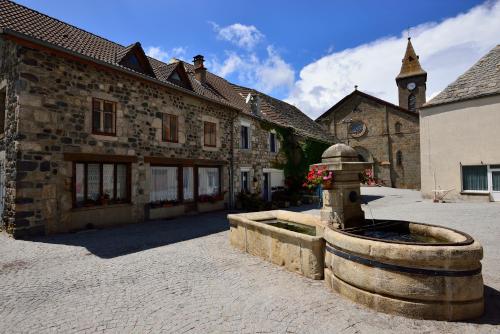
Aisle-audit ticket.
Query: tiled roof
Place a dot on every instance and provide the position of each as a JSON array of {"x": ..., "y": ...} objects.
[
  {"x": 482, "y": 79},
  {"x": 59, "y": 34},
  {"x": 286, "y": 115},
  {"x": 49, "y": 30}
]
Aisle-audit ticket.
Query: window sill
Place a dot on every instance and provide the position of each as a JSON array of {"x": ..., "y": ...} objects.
[
  {"x": 472, "y": 192},
  {"x": 101, "y": 207},
  {"x": 100, "y": 136}
]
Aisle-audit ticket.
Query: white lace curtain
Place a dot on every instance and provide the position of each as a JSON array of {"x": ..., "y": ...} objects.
[
  {"x": 188, "y": 183},
  {"x": 208, "y": 180},
  {"x": 163, "y": 184}
]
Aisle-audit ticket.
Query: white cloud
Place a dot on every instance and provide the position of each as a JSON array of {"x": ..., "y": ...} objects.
[
  {"x": 446, "y": 50},
  {"x": 164, "y": 55},
  {"x": 244, "y": 36},
  {"x": 267, "y": 75}
]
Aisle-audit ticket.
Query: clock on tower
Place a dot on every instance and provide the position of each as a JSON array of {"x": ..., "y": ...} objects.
[{"x": 411, "y": 81}]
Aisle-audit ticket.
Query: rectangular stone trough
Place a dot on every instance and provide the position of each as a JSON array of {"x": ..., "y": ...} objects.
[{"x": 302, "y": 253}]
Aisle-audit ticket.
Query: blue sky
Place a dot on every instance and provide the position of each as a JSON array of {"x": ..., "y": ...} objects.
[{"x": 292, "y": 50}]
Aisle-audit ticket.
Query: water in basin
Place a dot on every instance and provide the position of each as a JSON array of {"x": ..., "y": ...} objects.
[
  {"x": 399, "y": 236},
  {"x": 291, "y": 226},
  {"x": 398, "y": 232}
]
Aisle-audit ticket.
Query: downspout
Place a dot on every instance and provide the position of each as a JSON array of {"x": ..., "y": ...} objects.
[
  {"x": 389, "y": 148},
  {"x": 231, "y": 164}
]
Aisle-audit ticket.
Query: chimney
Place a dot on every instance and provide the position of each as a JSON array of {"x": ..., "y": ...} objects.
[
  {"x": 200, "y": 71},
  {"x": 255, "y": 104}
]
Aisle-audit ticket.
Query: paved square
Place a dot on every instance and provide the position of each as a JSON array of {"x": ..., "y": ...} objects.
[{"x": 182, "y": 276}]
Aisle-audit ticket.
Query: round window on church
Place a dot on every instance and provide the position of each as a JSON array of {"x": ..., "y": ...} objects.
[{"x": 357, "y": 129}]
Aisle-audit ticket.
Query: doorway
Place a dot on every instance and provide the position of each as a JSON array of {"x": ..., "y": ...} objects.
[
  {"x": 494, "y": 182},
  {"x": 266, "y": 189}
]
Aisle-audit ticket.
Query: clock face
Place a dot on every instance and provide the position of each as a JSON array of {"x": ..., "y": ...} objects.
[{"x": 411, "y": 86}]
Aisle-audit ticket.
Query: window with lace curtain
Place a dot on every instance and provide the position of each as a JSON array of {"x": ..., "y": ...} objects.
[
  {"x": 100, "y": 183},
  {"x": 208, "y": 181},
  {"x": 188, "y": 183},
  {"x": 164, "y": 184}
]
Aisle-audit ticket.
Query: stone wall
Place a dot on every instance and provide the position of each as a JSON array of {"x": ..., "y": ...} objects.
[
  {"x": 55, "y": 99},
  {"x": 10, "y": 56},
  {"x": 380, "y": 141},
  {"x": 258, "y": 156}
]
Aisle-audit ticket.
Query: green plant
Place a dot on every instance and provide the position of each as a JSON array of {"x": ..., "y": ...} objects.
[{"x": 252, "y": 202}]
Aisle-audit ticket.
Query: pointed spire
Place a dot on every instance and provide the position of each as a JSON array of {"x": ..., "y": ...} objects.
[{"x": 411, "y": 65}]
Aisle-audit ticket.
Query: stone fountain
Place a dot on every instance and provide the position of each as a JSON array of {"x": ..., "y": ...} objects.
[{"x": 411, "y": 269}]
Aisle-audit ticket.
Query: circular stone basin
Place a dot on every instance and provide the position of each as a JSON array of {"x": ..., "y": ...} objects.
[{"x": 416, "y": 270}]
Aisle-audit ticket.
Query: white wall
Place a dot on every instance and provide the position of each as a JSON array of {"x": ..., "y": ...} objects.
[{"x": 466, "y": 133}]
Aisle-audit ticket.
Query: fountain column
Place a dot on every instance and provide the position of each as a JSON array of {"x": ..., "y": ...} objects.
[{"x": 342, "y": 203}]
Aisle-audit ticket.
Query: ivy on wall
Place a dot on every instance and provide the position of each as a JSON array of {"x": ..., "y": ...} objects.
[{"x": 299, "y": 156}]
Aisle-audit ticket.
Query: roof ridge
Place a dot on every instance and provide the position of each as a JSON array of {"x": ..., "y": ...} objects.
[
  {"x": 474, "y": 70},
  {"x": 60, "y": 21},
  {"x": 357, "y": 91}
]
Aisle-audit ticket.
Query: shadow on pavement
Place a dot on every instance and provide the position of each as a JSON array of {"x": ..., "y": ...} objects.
[
  {"x": 491, "y": 314},
  {"x": 369, "y": 198},
  {"x": 118, "y": 241}
]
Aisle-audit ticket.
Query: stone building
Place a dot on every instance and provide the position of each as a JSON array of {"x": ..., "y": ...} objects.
[
  {"x": 459, "y": 139},
  {"x": 385, "y": 134},
  {"x": 96, "y": 133}
]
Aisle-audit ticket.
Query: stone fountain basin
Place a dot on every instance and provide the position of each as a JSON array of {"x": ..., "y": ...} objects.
[
  {"x": 440, "y": 280},
  {"x": 297, "y": 252}
]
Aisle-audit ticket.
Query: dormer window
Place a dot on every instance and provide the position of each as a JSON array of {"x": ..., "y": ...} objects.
[
  {"x": 175, "y": 76},
  {"x": 179, "y": 77},
  {"x": 134, "y": 58}
]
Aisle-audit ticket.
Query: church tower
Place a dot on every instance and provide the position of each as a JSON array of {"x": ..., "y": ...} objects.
[{"x": 411, "y": 81}]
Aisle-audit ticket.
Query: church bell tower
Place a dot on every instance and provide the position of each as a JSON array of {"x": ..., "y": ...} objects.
[{"x": 411, "y": 81}]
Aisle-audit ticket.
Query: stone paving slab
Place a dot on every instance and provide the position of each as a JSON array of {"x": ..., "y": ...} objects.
[{"x": 181, "y": 276}]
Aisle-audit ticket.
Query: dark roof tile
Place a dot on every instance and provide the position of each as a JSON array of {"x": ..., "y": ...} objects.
[
  {"x": 482, "y": 79},
  {"x": 50, "y": 30}
]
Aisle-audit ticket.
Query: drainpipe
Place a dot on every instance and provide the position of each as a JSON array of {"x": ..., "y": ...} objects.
[
  {"x": 231, "y": 164},
  {"x": 389, "y": 148}
]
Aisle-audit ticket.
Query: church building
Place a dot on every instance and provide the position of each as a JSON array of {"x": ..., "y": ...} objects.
[{"x": 385, "y": 134}]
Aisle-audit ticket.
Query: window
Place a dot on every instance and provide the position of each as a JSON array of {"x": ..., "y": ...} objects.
[
  {"x": 273, "y": 145},
  {"x": 397, "y": 127},
  {"x": 103, "y": 117},
  {"x": 3, "y": 107},
  {"x": 399, "y": 158},
  {"x": 245, "y": 182},
  {"x": 474, "y": 178},
  {"x": 245, "y": 137},
  {"x": 188, "y": 183},
  {"x": 101, "y": 183},
  {"x": 209, "y": 130},
  {"x": 208, "y": 181},
  {"x": 164, "y": 184},
  {"x": 357, "y": 128},
  {"x": 170, "y": 128},
  {"x": 412, "y": 102},
  {"x": 175, "y": 76}
]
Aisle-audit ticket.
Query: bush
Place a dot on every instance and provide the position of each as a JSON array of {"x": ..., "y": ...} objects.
[{"x": 252, "y": 202}]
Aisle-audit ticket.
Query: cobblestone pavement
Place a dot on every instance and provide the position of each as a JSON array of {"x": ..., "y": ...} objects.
[{"x": 182, "y": 276}]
